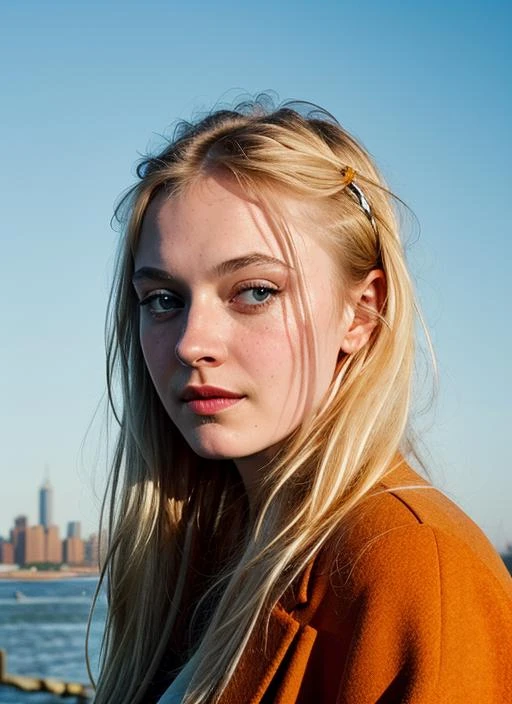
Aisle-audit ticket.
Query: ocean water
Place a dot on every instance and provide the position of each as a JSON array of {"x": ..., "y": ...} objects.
[{"x": 42, "y": 629}]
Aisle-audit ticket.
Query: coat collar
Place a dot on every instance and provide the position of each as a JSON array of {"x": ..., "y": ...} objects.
[{"x": 288, "y": 637}]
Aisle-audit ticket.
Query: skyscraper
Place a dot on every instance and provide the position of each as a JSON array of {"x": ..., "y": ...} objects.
[
  {"x": 74, "y": 529},
  {"x": 35, "y": 550},
  {"x": 46, "y": 504},
  {"x": 53, "y": 545},
  {"x": 19, "y": 539}
]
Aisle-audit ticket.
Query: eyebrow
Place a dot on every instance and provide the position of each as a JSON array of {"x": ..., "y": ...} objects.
[
  {"x": 228, "y": 267},
  {"x": 233, "y": 265}
]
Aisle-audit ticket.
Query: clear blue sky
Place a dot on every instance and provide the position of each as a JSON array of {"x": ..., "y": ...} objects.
[{"x": 86, "y": 87}]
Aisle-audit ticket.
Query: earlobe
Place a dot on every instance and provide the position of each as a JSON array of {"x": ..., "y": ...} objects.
[{"x": 368, "y": 301}]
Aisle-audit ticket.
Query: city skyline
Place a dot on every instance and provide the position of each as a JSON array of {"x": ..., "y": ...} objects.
[
  {"x": 41, "y": 543},
  {"x": 71, "y": 527}
]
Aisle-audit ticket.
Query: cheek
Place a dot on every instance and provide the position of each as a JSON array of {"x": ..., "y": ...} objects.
[
  {"x": 158, "y": 351},
  {"x": 271, "y": 353}
]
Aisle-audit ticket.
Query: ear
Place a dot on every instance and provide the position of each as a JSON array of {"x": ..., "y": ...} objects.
[{"x": 367, "y": 300}]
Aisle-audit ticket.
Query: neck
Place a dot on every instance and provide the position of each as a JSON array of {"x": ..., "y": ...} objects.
[{"x": 253, "y": 470}]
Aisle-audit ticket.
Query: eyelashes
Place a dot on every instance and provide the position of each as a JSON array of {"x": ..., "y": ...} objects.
[
  {"x": 250, "y": 297},
  {"x": 161, "y": 303},
  {"x": 256, "y": 295}
]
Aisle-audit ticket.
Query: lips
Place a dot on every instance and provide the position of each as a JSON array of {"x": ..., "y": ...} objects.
[
  {"x": 194, "y": 393},
  {"x": 209, "y": 400}
]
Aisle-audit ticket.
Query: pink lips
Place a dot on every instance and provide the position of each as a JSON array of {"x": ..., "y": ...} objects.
[{"x": 207, "y": 400}]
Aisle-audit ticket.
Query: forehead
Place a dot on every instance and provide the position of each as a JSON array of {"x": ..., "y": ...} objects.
[
  {"x": 214, "y": 221},
  {"x": 211, "y": 217}
]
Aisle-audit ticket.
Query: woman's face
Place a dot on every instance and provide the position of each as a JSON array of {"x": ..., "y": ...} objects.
[{"x": 219, "y": 327}]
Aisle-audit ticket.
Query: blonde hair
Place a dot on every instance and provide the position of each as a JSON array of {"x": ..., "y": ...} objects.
[{"x": 176, "y": 537}]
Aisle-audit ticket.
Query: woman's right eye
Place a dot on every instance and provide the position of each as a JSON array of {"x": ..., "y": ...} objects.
[{"x": 161, "y": 303}]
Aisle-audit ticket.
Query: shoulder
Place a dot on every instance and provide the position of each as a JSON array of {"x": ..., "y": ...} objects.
[
  {"x": 412, "y": 595},
  {"x": 407, "y": 525}
]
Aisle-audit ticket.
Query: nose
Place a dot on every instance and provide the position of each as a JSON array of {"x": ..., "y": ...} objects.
[{"x": 201, "y": 342}]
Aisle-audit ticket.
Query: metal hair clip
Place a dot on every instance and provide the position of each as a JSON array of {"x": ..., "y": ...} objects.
[{"x": 348, "y": 174}]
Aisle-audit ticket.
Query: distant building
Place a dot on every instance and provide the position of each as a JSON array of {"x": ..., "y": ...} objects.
[
  {"x": 46, "y": 504},
  {"x": 18, "y": 539},
  {"x": 53, "y": 545},
  {"x": 35, "y": 547},
  {"x": 20, "y": 522},
  {"x": 6, "y": 552},
  {"x": 74, "y": 529},
  {"x": 73, "y": 549},
  {"x": 91, "y": 550}
]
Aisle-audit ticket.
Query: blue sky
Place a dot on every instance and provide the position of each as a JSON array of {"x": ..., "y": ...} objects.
[{"x": 87, "y": 87}]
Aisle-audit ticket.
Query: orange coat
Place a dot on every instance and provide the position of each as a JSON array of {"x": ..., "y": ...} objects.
[{"x": 417, "y": 610}]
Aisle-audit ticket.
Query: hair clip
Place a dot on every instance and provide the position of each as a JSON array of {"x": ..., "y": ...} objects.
[{"x": 348, "y": 175}]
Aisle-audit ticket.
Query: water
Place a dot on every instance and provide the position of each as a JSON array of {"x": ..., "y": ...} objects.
[{"x": 43, "y": 633}]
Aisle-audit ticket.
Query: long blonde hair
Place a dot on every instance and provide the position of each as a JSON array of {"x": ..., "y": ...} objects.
[{"x": 179, "y": 537}]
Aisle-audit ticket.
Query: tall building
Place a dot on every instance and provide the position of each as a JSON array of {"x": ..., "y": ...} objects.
[
  {"x": 73, "y": 551},
  {"x": 46, "y": 504},
  {"x": 74, "y": 529},
  {"x": 6, "y": 552},
  {"x": 91, "y": 550},
  {"x": 53, "y": 552},
  {"x": 18, "y": 539},
  {"x": 35, "y": 548}
]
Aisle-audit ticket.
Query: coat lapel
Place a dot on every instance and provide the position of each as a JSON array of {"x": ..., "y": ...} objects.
[
  {"x": 257, "y": 668},
  {"x": 288, "y": 637}
]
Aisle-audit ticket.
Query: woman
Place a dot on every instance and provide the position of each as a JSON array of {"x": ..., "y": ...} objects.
[{"x": 267, "y": 541}]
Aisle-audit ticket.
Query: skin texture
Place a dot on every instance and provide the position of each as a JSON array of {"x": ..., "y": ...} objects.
[{"x": 238, "y": 329}]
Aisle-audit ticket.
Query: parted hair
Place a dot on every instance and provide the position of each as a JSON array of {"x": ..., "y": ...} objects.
[{"x": 186, "y": 570}]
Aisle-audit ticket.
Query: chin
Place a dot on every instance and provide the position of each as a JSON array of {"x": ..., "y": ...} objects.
[
  {"x": 220, "y": 452},
  {"x": 220, "y": 446},
  {"x": 212, "y": 448},
  {"x": 210, "y": 453}
]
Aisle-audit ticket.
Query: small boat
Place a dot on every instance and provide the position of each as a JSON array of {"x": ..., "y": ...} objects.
[{"x": 19, "y": 596}]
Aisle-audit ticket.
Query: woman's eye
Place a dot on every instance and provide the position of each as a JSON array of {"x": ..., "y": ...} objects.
[
  {"x": 256, "y": 295},
  {"x": 161, "y": 302}
]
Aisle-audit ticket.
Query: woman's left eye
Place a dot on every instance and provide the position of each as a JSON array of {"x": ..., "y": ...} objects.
[{"x": 255, "y": 296}]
